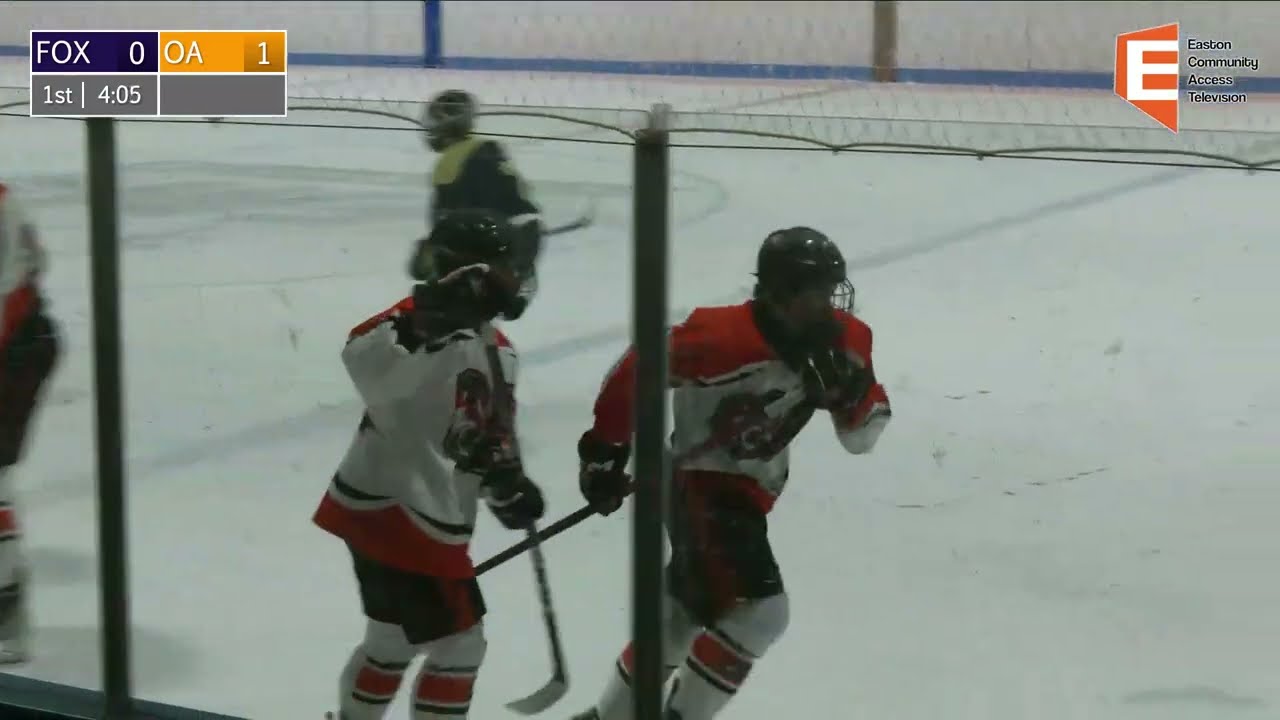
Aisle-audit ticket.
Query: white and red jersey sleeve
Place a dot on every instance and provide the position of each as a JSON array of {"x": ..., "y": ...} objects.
[
  {"x": 404, "y": 493},
  {"x": 860, "y": 426},
  {"x": 22, "y": 260}
]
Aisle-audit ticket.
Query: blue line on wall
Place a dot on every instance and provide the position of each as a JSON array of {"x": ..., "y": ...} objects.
[{"x": 929, "y": 76}]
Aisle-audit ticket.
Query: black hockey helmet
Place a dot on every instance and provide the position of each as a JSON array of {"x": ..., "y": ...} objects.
[
  {"x": 801, "y": 259},
  {"x": 461, "y": 238},
  {"x": 448, "y": 118}
]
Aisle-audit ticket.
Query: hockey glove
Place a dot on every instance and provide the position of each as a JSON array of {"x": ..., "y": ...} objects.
[
  {"x": 512, "y": 498},
  {"x": 602, "y": 473},
  {"x": 834, "y": 380},
  {"x": 421, "y": 265},
  {"x": 465, "y": 298}
]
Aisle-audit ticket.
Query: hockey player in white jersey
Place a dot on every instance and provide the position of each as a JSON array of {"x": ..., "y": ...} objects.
[
  {"x": 29, "y": 350},
  {"x": 405, "y": 495}
]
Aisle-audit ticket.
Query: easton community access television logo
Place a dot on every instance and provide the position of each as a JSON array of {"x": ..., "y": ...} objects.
[{"x": 1147, "y": 72}]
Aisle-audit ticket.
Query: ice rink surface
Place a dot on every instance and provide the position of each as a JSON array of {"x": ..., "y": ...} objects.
[{"x": 1071, "y": 517}]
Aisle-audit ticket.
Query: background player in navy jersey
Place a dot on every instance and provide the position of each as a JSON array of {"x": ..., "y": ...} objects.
[{"x": 475, "y": 173}]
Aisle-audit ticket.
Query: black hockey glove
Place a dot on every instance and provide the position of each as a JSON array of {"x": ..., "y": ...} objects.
[
  {"x": 512, "y": 497},
  {"x": 835, "y": 381},
  {"x": 464, "y": 298},
  {"x": 421, "y": 265},
  {"x": 602, "y": 473}
]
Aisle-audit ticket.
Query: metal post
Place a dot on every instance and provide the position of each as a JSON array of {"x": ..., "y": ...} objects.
[
  {"x": 433, "y": 34},
  {"x": 884, "y": 40},
  {"x": 104, "y": 254},
  {"x": 649, "y": 308}
]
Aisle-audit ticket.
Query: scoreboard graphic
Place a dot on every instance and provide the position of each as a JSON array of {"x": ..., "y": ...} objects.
[{"x": 161, "y": 73}]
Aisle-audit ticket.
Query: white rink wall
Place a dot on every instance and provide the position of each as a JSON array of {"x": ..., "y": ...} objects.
[
  {"x": 761, "y": 113},
  {"x": 1017, "y": 43}
]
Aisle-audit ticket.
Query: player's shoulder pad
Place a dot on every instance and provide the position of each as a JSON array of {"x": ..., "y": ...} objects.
[
  {"x": 403, "y": 307},
  {"x": 718, "y": 317},
  {"x": 715, "y": 340}
]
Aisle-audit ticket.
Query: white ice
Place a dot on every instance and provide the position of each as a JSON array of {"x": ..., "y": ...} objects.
[{"x": 1072, "y": 516}]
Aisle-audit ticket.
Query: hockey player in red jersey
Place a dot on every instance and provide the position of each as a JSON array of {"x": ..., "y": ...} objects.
[
  {"x": 746, "y": 379},
  {"x": 405, "y": 495},
  {"x": 29, "y": 350}
]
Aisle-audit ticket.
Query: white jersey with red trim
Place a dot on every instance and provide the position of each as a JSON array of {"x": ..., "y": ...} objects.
[
  {"x": 403, "y": 495},
  {"x": 22, "y": 261}
]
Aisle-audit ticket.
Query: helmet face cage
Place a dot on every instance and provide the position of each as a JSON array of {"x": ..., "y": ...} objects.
[
  {"x": 448, "y": 117},
  {"x": 840, "y": 292},
  {"x": 842, "y": 296},
  {"x": 782, "y": 287}
]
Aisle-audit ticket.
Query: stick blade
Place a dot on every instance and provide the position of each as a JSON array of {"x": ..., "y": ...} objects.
[
  {"x": 585, "y": 220},
  {"x": 544, "y": 698}
]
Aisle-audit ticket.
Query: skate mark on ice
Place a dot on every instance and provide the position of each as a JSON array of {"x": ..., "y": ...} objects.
[
  {"x": 1216, "y": 698},
  {"x": 1008, "y": 492}
]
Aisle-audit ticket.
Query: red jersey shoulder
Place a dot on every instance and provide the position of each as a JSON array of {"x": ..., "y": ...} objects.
[
  {"x": 717, "y": 340},
  {"x": 857, "y": 336},
  {"x": 400, "y": 308}
]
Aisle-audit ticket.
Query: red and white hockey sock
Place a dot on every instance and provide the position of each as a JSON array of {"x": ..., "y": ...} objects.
[
  {"x": 14, "y": 623},
  {"x": 715, "y": 669},
  {"x": 10, "y": 535},
  {"x": 443, "y": 693},
  {"x": 369, "y": 685},
  {"x": 616, "y": 702}
]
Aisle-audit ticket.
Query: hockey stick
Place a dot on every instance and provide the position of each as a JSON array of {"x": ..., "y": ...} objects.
[
  {"x": 555, "y": 688},
  {"x": 585, "y": 220},
  {"x": 537, "y": 538},
  {"x": 582, "y": 513}
]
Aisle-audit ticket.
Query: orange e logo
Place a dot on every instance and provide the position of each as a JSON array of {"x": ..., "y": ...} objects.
[{"x": 1147, "y": 72}]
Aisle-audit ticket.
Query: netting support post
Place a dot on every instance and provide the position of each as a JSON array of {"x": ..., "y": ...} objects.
[
  {"x": 104, "y": 279},
  {"x": 884, "y": 40},
  {"x": 432, "y": 33},
  {"x": 651, "y": 217}
]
